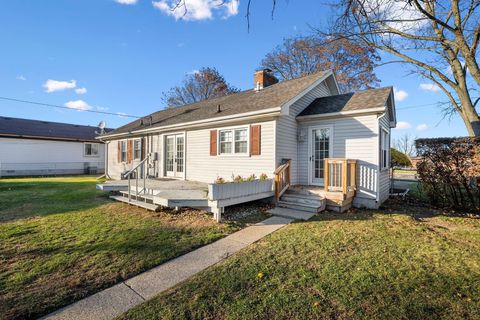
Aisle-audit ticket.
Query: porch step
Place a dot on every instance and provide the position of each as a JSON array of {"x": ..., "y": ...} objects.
[
  {"x": 302, "y": 199},
  {"x": 142, "y": 204},
  {"x": 292, "y": 213},
  {"x": 298, "y": 206}
]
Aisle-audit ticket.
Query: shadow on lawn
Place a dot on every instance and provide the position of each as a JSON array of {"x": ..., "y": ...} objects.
[{"x": 20, "y": 200}]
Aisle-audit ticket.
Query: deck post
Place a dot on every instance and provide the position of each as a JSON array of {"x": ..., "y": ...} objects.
[
  {"x": 344, "y": 176},
  {"x": 325, "y": 175}
]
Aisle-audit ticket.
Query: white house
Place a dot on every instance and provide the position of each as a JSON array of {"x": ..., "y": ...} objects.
[
  {"x": 324, "y": 136},
  {"x": 32, "y": 148}
]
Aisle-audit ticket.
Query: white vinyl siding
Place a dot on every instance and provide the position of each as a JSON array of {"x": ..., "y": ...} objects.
[
  {"x": 287, "y": 129},
  {"x": 384, "y": 175},
  {"x": 45, "y": 157},
  {"x": 353, "y": 138},
  {"x": 200, "y": 166}
]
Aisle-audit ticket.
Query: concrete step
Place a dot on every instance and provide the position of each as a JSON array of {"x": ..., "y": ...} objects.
[
  {"x": 142, "y": 204},
  {"x": 141, "y": 196},
  {"x": 298, "y": 199},
  {"x": 297, "y": 206},
  {"x": 292, "y": 213}
]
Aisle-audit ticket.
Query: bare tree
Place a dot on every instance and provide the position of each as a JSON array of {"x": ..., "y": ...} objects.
[
  {"x": 435, "y": 39},
  {"x": 201, "y": 85},
  {"x": 405, "y": 144},
  {"x": 353, "y": 63}
]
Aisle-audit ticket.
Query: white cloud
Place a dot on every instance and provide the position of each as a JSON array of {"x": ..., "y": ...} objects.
[
  {"x": 194, "y": 10},
  {"x": 400, "y": 95},
  {"x": 54, "y": 85},
  {"x": 121, "y": 114},
  {"x": 403, "y": 125},
  {"x": 401, "y": 15},
  {"x": 422, "y": 127},
  {"x": 81, "y": 90},
  {"x": 79, "y": 105},
  {"x": 126, "y": 1},
  {"x": 21, "y": 77},
  {"x": 430, "y": 87},
  {"x": 102, "y": 108}
]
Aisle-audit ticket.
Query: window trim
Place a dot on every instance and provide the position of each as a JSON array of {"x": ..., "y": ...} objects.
[
  {"x": 134, "y": 150},
  {"x": 233, "y": 153},
  {"x": 387, "y": 149},
  {"x": 91, "y": 155}
]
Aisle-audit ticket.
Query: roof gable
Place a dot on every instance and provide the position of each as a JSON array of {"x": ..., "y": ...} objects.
[{"x": 357, "y": 101}]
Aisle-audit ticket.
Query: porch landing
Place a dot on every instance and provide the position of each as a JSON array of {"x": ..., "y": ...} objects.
[{"x": 159, "y": 192}]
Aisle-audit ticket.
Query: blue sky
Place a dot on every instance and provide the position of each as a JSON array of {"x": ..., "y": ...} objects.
[{"x": 120, "y": 57}]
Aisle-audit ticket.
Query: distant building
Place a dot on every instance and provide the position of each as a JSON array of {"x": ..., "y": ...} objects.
[{"x": 33, "y": 148}]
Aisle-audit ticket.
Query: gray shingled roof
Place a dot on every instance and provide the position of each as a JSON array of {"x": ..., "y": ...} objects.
[
  {"x": 246, "y": 101},
  {"x": 26, "y": 128},
  {"x": 373, "y": 98}
]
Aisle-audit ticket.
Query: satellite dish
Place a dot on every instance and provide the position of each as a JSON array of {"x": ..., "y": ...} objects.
[{"x": 102, "y": 125}]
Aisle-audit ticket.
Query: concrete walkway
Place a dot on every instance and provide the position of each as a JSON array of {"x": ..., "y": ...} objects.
[{"x": 114, "y": 301}]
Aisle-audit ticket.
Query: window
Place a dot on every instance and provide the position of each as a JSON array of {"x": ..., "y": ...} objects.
[
  {"x": 123, "y": 151},
  {"x": 91, "y": 149},
  {"x": 384, "y": 148},
  {"x": 137, "y": 149},
  {"x": 241, "y": 140},
  {"x": 233, "y": 141},
  {"x": 226, "y": 141}
]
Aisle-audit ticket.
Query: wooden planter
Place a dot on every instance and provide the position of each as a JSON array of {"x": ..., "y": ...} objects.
[{"x": 220, "y": 191}]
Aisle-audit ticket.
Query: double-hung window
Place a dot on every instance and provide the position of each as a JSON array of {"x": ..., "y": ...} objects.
[
  {"x": 137, "y": 149},
  {"x": 233, "y": 141},
  {"x": 384, "y": 148},
  {"x": 123, "y": 151},
  {"x": 91, "y": 149}
]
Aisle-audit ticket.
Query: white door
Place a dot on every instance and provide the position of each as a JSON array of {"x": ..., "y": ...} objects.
[
  {"x": 175, "y": 155},
  {"x": 320, "y": 147}
]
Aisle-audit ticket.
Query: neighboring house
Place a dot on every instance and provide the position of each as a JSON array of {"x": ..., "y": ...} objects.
[
  {"x": 32, "y": 148},
  {"x": 305, "y": 120}
]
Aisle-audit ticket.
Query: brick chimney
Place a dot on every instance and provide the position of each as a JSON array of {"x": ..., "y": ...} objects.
[{"x": 263, "y": 78}]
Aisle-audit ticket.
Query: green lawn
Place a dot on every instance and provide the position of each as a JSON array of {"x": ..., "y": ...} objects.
[
  {"x": 362, "y": 265},
  {"x": 61, "y": 240}
]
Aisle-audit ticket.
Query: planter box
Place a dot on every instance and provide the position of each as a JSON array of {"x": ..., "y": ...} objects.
[{"x": 220, "y": 191}]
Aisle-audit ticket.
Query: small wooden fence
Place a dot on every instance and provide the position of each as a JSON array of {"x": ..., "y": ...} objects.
[
  {"x": 340, "y": 175},
  {"x": 282, "y": 179}
]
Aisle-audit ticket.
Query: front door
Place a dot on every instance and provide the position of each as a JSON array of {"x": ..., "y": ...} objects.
[
  {"x": 175, "y": 155},
  {"x": 320, "y": 147}
]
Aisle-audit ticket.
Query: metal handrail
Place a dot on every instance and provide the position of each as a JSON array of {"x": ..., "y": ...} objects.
[{"x": 128, "y": 175}]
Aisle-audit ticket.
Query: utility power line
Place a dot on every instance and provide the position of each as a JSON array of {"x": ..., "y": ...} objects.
[
  {"x": 63, "y": 107},
  {"x": 138, "y": 117}
]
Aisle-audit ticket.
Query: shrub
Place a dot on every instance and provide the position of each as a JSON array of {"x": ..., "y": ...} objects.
[
  {"x": 238, "y": 179},
  {"x": 450, "y": 171},
  {"x": 252, "y": 177},
  {"x": 220, "y": 180},
  {"x": 400, "y": 159},
  {"x": 263, "y": 176}
]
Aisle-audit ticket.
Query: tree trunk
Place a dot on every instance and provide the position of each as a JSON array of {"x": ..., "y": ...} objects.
[{"x": 470, "y": 117}]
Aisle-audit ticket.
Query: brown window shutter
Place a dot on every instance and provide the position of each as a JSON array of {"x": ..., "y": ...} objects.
[
  {"x": 142, "y": 145},
  {"x": 129, "y": 151},
  {"x": 119, "y": 151},
  {"x": 213, "y": 142},
  {"x": 255, "y": 140}
]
